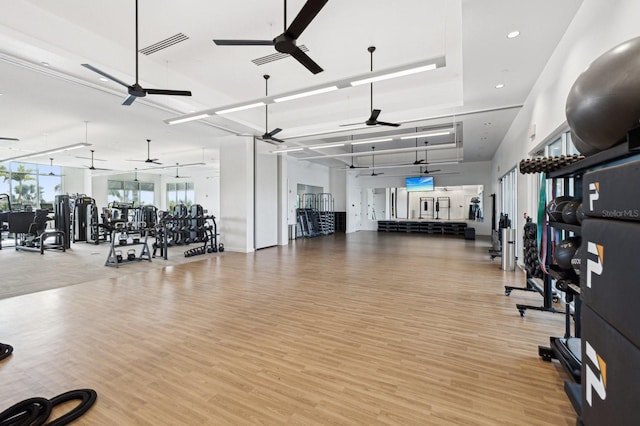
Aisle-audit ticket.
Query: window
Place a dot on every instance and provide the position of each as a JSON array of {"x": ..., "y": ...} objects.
[
  {"x": 180, "y": 193},
  {"x": 29, "y": 184},
  {"x": 140, "y": 193}
]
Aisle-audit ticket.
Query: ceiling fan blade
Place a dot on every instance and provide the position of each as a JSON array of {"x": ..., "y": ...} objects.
[
  {"x": 358, "y": 167},
  {"x": 305, "y": 60},
  {"x": 274, "y": 131},
  {"x": 384, "y": 123},
  {"x": 168, "y": 92},
  {"x": 418, "y": 162},
  {"x": 276, "y": 139},
  {"x": 104, "y": 74},
  {"x": 152, "y": 160},
  {"x": 374, "y": 115},
  {"x": 304, "y": 17},
  {"x": 243, "y": 42},
  {"x": 129, "y": 100},
  {"x": 9, "y": 139},
  {"x": 351, "y": 124}
]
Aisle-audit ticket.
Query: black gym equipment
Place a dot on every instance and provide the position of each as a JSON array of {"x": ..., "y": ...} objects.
[
  {"x": 30, "y": 412},
  {"x": 565, "y": 251},
  {"x": 82, "y": 217},
  {"x": 569, "y": 212},
  {"x": 36, "y": 411},
  {"x": 602, "y": 105},
  {"x": 31, "y": 234},
  {"x": 555, "y": 206},
  {"x": 186, "y": 226},
  {"x": 5, "y": 350},
  {"x": 62, "y": 209}
]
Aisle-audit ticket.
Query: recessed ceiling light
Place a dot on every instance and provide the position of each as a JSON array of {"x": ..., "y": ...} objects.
[
  {"x": 104, "y": 79},
  {"x": 513, "y": 34},
  {"x": 499, "y": 86},
  {"x": 46, "y": 64}
]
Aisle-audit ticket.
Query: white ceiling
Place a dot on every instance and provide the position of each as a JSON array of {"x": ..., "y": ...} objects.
[{"x": 47, "y": 106}]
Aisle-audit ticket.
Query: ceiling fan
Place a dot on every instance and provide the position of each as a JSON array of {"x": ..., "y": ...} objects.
[
  {"x": 51, "y": 168},
  {"x": 268, "y": 135},
  {"x": 373, "y": 162},
  {"x": 149, "y": 159},
  {"x": 177, "y": 176},
  {"x": 373, "y": 118},
  {"x": 92, "y": 167},
  {"x": 135, "y": 90},
  {"x": 286, "y": 42},
  {"x": 352, "y": 166},
  {"x": 8, "y": 139},
  {"x": 426, "y": 162}
]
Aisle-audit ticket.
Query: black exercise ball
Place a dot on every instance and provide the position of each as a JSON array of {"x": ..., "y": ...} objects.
[
  {"x": 569, "y": 212},
  {"x": 584, "y": 148},
  {"x": 565, "y": 251},
  {"x": 580, "y": 213},
  {"x": 554, "y": 208},
  {"x": 577, "y": 260},
  {"x": 604, "y": 102}
]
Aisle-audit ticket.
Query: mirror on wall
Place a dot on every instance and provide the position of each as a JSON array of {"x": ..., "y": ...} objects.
[{"x": 462, "y": 202}]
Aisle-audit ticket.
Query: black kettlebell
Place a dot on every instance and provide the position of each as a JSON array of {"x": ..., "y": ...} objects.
[
  {"x": 220, "y": 247},
  {"x": 131, "y": 254},
  {"x": 118, "y": 256}
]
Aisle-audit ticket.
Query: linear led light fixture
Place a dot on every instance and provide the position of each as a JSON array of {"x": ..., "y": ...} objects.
[
  {"x": 278, "y": 151},
  {"x": 394, "y": 74},
  {"x": 305, "y": 94},
  {"x": 240, "y": 108},
  {"x": 48, "y": 151},
  {"x": 329, "y": 145},
  {"x": 185, "y": 119},
  {"x": 424, "y": 135},
  {"x": 372, "y": 141}
]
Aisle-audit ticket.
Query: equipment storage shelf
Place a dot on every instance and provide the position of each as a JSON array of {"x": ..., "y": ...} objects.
[{"x": 134, "y": 238}]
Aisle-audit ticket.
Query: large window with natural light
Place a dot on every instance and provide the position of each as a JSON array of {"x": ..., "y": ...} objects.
[
  {"x": 29, "y": 185},
  {"x": 139, "y": 193},
  {"x": 180, "y": 193}
]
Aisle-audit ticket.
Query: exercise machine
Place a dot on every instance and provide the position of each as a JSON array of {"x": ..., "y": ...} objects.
[{"x": 31, "y": 234}]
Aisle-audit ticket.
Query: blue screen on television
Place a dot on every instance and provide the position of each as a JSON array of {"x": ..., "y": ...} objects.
[{"x": 419, "y": 183}]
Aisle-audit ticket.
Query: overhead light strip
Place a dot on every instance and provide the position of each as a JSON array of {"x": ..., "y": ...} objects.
[
  {"x": 330, "y": 145},
  {"x": 396, "y": 74},
  {"x": 240, "y": 108},
  {"x": 372, "y": 141},
  {"x": 279, "y": 151},
  {"x": 185, "y": 119},
  {"x": 385, "y": 74},
  {"x": 424, "y": 135},
  {"x": 48, "y": 151},
  {"x": 305, "y": 94}
]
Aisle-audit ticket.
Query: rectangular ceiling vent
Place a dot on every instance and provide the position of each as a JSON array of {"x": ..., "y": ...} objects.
[
  {"x": 163, "y": 44},
  {"x": 276, "y": 56}
]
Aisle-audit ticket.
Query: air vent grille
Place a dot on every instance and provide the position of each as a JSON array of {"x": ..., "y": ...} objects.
[
  {"x": 163, "y": 44},
  {"x": 276, "y": 56}
]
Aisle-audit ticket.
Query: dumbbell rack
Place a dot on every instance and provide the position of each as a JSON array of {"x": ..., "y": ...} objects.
[
  {"x": 116, "y": 255},
  {"x": 183, "y": 226}
]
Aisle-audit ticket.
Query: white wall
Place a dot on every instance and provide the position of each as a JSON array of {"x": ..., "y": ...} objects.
[
  {"x": 597, "y": 27},
  {"x": 266, "y": 195},
  {"x": 338, "y": 185},
  {"x": 76, "y": 181},
  {"x": 236, "y": 194}
]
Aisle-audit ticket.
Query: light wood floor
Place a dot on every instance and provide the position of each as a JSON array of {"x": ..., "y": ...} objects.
[{"x": 362, "y": 329}]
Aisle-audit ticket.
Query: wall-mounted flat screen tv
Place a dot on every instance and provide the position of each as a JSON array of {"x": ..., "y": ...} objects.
[{"x": 419, "y": 183}]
